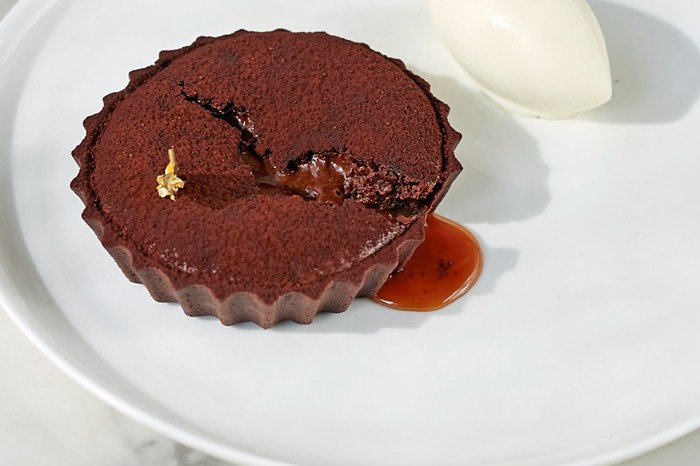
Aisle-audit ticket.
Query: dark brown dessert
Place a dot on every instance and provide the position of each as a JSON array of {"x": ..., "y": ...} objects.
[{"x": 309, "y": 165}]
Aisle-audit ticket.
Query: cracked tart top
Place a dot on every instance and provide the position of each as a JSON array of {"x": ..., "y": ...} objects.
[{"x": 306, "y": 161}]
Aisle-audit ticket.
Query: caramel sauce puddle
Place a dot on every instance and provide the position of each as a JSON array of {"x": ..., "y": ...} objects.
[{"x": 443, "y": 268}]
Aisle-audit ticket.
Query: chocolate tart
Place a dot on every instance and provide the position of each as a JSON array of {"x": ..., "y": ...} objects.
[{"x": 310, "y": 163}]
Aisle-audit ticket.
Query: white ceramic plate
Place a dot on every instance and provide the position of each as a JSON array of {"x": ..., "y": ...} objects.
[{"x": 580, "y": 345}]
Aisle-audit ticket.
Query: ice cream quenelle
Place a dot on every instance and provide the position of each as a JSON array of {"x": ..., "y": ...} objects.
[{"x": 544, "y": 58}]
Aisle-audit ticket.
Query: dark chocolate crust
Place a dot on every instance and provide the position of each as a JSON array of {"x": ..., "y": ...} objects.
[{"x": 228, "y": 248}]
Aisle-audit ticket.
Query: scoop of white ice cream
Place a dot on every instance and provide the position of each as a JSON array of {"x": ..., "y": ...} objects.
[{"x": 542, "y": 58}]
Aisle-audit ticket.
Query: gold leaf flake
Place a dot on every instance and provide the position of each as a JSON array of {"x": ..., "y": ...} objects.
[{"x": 169, "y": 183}]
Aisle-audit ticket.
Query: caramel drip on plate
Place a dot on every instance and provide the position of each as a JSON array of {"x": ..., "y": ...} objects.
[{"x": 443, "y": 268}]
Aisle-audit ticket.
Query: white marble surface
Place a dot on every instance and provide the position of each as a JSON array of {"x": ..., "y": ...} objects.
[{"x": 47, "y": 419}]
